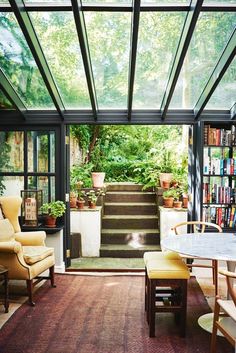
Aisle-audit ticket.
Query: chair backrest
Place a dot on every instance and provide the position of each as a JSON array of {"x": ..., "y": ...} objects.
[
  {"x": 195, "y": 226},
  {"x": 231, "y": 290},
  {"x": 11, "y": 209}
]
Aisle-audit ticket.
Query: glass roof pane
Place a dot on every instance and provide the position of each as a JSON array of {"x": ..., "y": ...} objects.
[
  {"x": 209, "y": 39},
  {"x": 4, "y": 102},
  {"x": 109, "y": 42},
  {"x": 58, "y": 37},
  {"x": 161, "y": 2},
  {"x": 107, "y": 1},
  {"x": 222, "y": 1},
  {"x": 18, "y": 64},
  {"x": 157, "y": 43},
  {"x": 224, "y": 96}
]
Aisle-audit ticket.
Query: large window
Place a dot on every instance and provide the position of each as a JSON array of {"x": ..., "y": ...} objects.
[{"x": 27, "y": 161}]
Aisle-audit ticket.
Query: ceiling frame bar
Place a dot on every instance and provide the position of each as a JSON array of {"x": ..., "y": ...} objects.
[
  {"x": 233, "y": 112},
  {"x": 37, "y": 52},
  {"x": 83, "y": 40},
  {"x": 133, "y": 54},
  {"x": 60, "y": 6},
  {"x": 11, "y": 94},
  {"x": 223, "y": 63},
  {"x": 187, "y": 32}
]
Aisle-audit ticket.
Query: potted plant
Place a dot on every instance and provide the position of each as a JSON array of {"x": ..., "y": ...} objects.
[
  {"x": 97, "y": 161},
  {"x": 168, "y": 197},
  {"x": 53, "y": 210},
  {"x": 166, "y": 166},
  {"x": 177, "y": 203},
  {"x": 81, "y": 195},
  {"x": 93, "y": 197},
  {"x": 184, "y": 190}
]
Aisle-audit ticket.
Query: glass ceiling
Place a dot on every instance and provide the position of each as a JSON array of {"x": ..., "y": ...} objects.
[{"x": 122, "y": 56}]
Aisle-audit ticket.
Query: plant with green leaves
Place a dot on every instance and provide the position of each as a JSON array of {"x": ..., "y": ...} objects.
[
  {"x": 172, "y": 192},
  {"x": 54, "y": 209},
  {"x": 93, "y": 195}
]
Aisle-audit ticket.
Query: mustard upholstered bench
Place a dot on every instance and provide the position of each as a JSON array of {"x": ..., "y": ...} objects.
[{"x": 166, "y": 289}]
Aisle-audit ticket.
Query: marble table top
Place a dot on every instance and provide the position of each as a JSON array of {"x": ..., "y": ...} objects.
[{"x": 215, "y": 246}]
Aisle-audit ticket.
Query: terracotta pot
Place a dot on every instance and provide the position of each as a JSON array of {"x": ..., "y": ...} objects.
[
  {"x": 185, "y": 202},
  {"x": 168, "y": 202},
  {"x": 166, "y": 184},
  {"x": 165, "y": 177},
  {"x": 91, "y": 204},
  {"x": 80, "y": 204},
  {"x": 50, "y": 221},
  {"x": 73, "y": 201},
  {"x": 177, "y": 204},
  {"x": 98, "y": 179}
]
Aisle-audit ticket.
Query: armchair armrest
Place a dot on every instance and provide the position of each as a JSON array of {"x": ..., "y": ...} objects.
[
  {"x": 31, "y": 238},
  {"x": 12, "y": 247}
]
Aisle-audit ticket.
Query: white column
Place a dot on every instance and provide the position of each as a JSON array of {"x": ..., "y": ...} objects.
[{"x": 55, "y": 241}]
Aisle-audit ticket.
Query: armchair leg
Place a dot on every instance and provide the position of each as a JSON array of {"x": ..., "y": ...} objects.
[
  {"x": 52, "y": 277},
  {"x": 29, "y": 283}
]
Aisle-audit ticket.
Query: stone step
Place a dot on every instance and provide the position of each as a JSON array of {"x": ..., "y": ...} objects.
[
  {"x": 124, "y": 187},
  {"x": 131, "y": 208},
  {"x": 129, "y": 196},
  {"x": 125, "y": 236},
  {"x": 129, "y": 221},
  {"x": 130, "y": 250}
]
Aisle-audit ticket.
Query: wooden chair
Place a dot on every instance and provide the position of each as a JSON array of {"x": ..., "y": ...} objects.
[
  {"x": 200, "y": 227},
  {"x": 225, "y": 314}
]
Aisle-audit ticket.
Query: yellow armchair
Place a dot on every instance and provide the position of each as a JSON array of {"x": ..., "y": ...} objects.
[{"x": 23, "y": 253}]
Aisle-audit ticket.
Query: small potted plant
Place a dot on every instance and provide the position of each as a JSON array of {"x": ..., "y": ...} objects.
[
  {"x": 166, "y": 166},
  {"x": 168, "y": 197},
  {"x": 93, "y": 197},
  {"x": 81, "y": 195},
  {"x": 177, "y": 203},
  {"x": 53, "y": 210}
]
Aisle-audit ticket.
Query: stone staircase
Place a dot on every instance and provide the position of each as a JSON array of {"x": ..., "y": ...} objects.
[{"x": 129, "y": 222}]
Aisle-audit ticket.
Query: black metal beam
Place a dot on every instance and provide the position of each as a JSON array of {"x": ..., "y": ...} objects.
[
  {"x": 133, "y": 53},
  {"x": 104, "y": 7},
  {"x": 34, "y": 45},
  {"x": 233, "y": 112},
  {"x": 224, "y": 61},
  {"x": 11, "y": 94},
  {"x": 187, "y": 32},
  {"x": 83, "y": 40}
]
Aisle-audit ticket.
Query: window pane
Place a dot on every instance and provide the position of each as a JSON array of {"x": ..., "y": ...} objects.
[
  {"x": 107, "y": 1},
  {"x": 11, "y": 151},
  {"x": 109, "y": 41},
  {"x": 18, "y": 64},
  {"x": 224, "y": 96},
  {"x": 41, "y": 151},
  {"x": 209, "y": 39},
  {"x": 225, "y": 2},
  {"x": 44, "y": 183},
  {"x": 162, "y": 2},
  {"x": 4, "y": 102},
  {"x": 158, "y": 40},
  {"x": 11, "y": 185},
  {"x": 58, "y": 37}
]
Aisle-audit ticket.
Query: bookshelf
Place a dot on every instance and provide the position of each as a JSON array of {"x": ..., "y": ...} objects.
[{"x": 219, "y": 175}]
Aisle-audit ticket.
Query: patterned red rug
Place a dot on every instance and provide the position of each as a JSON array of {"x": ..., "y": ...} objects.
[{"x": 89, "y": 314}]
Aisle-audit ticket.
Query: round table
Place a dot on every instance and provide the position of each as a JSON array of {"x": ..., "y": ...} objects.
[{"x": 214, "y": 246}]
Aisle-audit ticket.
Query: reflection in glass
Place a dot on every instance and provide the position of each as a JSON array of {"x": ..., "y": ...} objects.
[
  {"x": 19, "y": 66},
  {"x": 11, "y": 151},
  {"x": 109, "y": 42},
  {"x": 58, "y": 37},
  {"x": 158, "y": 40},
  {"x": 224, "y": 96},
  {"x": 41, "y": 151},
  {"x": 11, "y": 185},
  {"x": 211, "y": 34},
  {"x": 42, "y": 183},
  {"x": 4, "y": 102}
]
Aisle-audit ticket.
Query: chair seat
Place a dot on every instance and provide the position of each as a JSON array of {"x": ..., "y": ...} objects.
[
  {"x": 167, "y": 269},
  {"x": 33, "y": 254},
  {"x": 229, "y": 307},
  {"x": 159, "y": 255}
]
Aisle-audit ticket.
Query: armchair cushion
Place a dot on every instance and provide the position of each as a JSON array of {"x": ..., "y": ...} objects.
[
  {"x": 33, "y": 254},
  {"x": 6, "y": 230}
]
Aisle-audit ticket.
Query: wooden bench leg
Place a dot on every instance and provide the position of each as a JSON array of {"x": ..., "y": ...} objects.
[
  {"x": 183, "y": 312},
  {"x": 152, "y": 304}
]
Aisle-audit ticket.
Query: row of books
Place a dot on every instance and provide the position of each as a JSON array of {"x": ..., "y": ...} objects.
[
  {"x": 219, "y": 166},
  {"x": 218, "y": 194},
  {"x": 223, "y": 216},
  {"x": 219, "y": 137}
]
